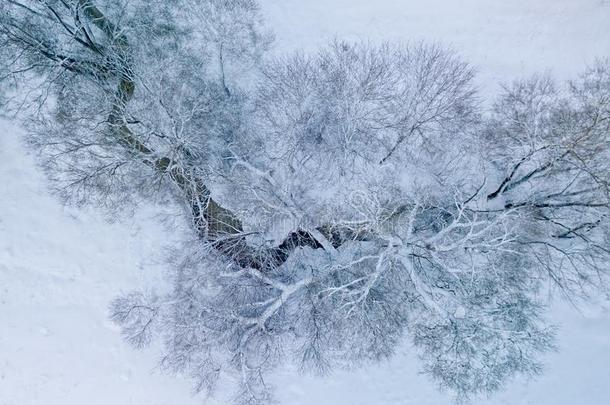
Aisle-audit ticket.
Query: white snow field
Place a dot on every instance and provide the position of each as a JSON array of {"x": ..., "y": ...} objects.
[{"x": 60, "y": 267}]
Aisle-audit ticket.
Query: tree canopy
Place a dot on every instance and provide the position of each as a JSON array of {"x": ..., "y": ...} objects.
[{"x": 340, "y": 202}]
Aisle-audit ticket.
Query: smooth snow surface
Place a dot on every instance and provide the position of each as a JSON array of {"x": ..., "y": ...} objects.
[
  {"x": 502, "y": 39},
  {"x": 60, "y": 267}
]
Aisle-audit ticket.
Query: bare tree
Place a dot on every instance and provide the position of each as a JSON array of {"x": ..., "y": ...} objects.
[{"x": 339, "y": 202}]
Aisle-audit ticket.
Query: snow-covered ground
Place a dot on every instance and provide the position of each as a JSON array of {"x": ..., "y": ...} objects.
[
  {"x": 502, "y": 39},
  {"x": 60, "y": 267}
]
